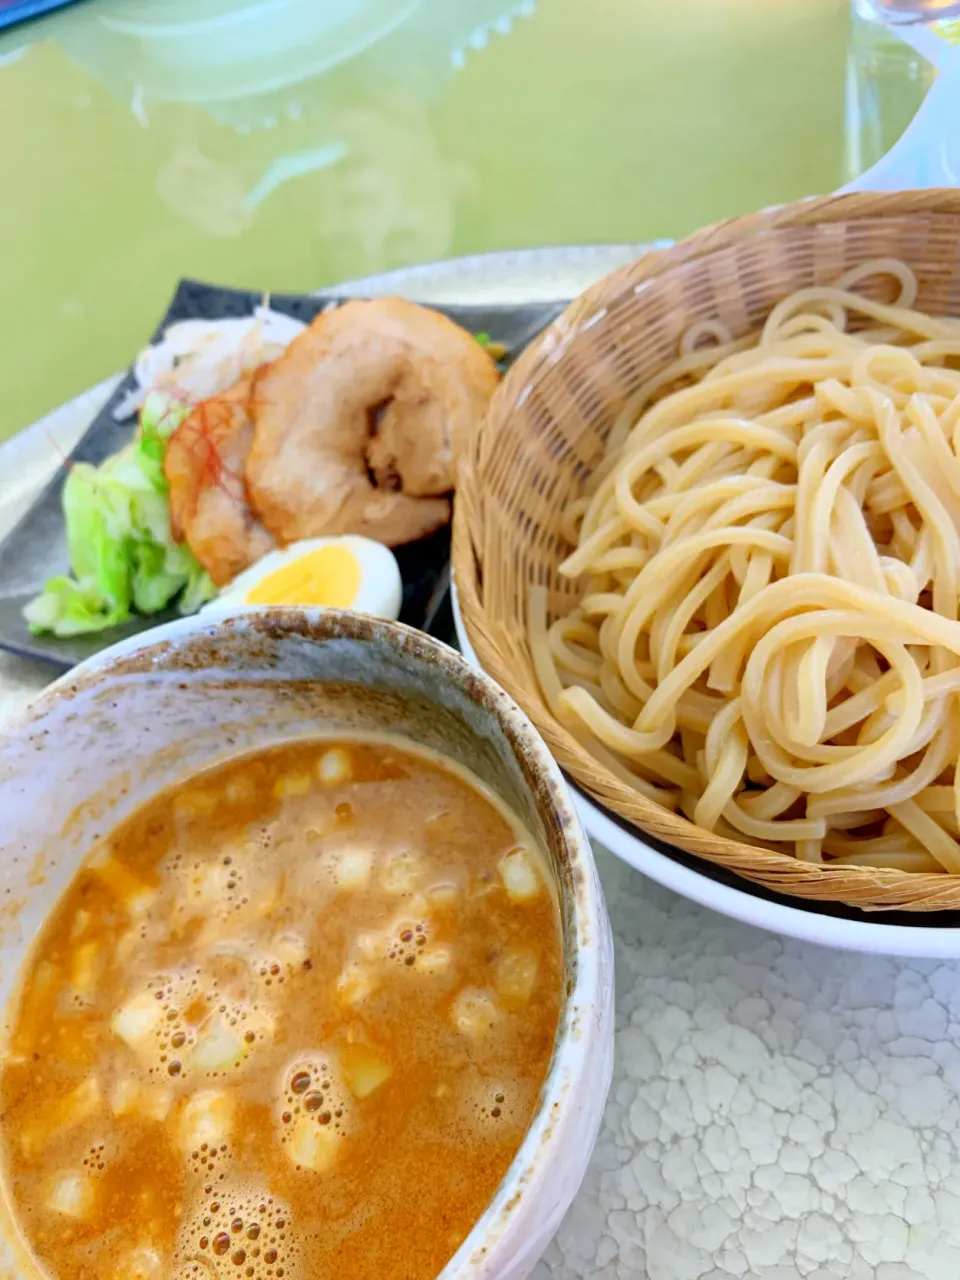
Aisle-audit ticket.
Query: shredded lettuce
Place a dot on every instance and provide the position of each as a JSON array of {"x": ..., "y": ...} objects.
[
  {"x": 123, "y": 557},
  {"x": 72, "y": 607}
]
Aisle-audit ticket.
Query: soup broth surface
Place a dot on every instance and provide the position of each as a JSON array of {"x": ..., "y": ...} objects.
[{"x": 290, "y": 1021}]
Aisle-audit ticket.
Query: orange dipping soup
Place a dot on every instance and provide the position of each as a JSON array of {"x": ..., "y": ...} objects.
[{"x": 290, "y": 1021}]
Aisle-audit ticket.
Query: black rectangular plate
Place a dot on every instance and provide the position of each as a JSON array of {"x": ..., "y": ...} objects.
[{"x": 35, "y": 548}]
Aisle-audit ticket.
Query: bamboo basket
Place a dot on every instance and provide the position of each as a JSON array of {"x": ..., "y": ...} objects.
[{"x": 546, "y": 430}]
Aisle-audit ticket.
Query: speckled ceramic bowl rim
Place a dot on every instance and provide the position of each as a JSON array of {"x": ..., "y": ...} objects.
[{"x": 587, "y": 912}]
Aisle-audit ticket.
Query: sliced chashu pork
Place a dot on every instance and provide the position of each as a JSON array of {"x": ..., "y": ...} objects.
[{"x": 358, "y": 425}]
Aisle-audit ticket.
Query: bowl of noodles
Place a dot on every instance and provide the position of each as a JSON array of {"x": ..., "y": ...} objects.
[{"x": 709, "y": 537}]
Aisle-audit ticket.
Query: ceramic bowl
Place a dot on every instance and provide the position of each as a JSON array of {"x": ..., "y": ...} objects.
[{"x": 141, "y": 716}]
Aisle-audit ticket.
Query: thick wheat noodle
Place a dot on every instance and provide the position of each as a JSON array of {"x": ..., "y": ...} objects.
[{"x": 767, "y": 638}]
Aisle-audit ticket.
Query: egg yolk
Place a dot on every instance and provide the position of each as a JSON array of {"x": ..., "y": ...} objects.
[{"x": 328, "y": 576}]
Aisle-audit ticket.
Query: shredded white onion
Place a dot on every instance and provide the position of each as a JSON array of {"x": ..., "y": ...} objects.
[{"x": 196, "y": 359}]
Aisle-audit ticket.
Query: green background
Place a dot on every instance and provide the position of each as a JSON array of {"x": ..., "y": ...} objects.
[{"x": 151, "y": 139}]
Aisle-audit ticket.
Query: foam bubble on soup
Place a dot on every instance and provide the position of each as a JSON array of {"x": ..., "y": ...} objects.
[
  {"x": 489, "y": 1105},
  {"x": 240, "y": 1231},
  {"x": 180, "y": 1025},
  {"x": 288, "y": 1022},
  {"x": 313, "y": 1113}
]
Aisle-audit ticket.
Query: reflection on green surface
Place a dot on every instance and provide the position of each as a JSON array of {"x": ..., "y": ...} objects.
[{"x": 288, "y": 143}]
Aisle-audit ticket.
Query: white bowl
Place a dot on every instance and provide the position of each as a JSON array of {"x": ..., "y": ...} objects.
[
  {"x": 148, "y": 712},
  {"x": 844, "y": 927}
]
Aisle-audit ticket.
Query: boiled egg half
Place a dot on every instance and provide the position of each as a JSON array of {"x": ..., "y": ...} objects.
[{"x": 333, "y": 573}]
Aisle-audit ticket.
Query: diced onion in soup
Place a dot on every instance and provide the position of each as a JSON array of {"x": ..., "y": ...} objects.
[
  {"x": 209, "y": 883},
  {"x": 218, "y": 1046},
  {"x": 444, "y": 894},
  {"x": 124, "y": 885},
  {"x": 124, "y": 1096},
  {"x": 312, "y": 1145},
  {"x": 129, "y": 1096},
  {"x": 370, "y": 945},
  {"x": 363, "y": 1069},
  {"x": 519, "y": 875},
  {"x": 46, "y": 980},
  {"x": 78, "y": 1105},
  {"x": 136, "y": 1021},
  {"x": 290, "y": 949},
  {"x": 433, "y": 960},
  {"x": 516, "y": 975},
  {"x": 195, "y": 804},
  {"x": 402, "y": 874},
  {"x": 85, "y": 967},
  {"x": 141, "y": 1264},
  {"x": 474, "y": 1012},
  {"x": 352, "y": 868},
  {"x": 222, "y": 1042},
  {"x": 291, "y": 785},
  {"x": 73, "y": 1195},
  {"x": 356, "y": 982},
  {"x": 334, "y": 767},
  {"x": 79, "y": 926},
  {"x": 206, "y": 1117}
]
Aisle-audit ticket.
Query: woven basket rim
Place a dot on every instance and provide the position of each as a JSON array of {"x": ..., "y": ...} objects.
[{"x": 889, "y": 889}]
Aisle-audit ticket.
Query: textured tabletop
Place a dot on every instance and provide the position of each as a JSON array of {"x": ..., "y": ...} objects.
[{"x": 778, "y": 1110}]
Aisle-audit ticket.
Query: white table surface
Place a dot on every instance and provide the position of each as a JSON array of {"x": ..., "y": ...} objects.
[{"x": 778, "y": 1110}]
